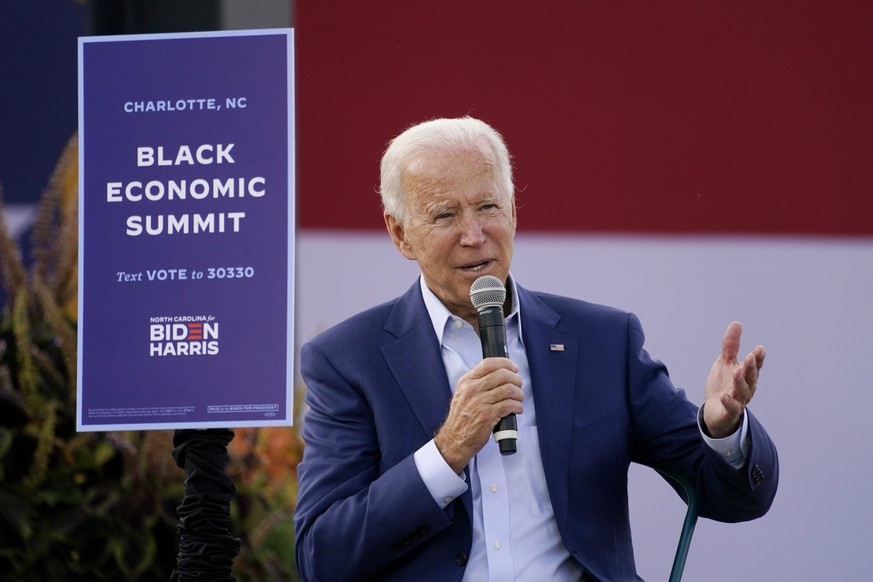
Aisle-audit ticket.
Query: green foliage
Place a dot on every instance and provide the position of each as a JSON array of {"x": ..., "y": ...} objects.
[
  {"x": 87, "y": 506},
  {"x": 263, "y": 466},
  {"x": 102, "y": 506}
]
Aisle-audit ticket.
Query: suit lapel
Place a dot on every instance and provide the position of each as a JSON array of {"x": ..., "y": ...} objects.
[
  {"x": 415, "y": 361},
  {"x": 553, "y": 357}
]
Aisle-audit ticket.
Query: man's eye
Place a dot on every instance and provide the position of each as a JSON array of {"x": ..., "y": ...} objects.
[{"x": 443, "y": 216}]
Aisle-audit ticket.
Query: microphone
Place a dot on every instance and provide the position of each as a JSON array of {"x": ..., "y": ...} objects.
[{"x": 488, "y": 294}]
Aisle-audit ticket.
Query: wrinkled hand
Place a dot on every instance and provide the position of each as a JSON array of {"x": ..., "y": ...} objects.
[
  {"x": 731, "y": 384},
  {"x": 482, "y": 397}
]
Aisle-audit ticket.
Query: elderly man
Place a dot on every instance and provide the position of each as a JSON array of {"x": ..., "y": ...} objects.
[{"x": 400, "y": 479}]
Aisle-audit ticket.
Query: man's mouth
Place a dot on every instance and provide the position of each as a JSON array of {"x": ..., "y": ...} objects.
[{"x": 475, "y": 267}]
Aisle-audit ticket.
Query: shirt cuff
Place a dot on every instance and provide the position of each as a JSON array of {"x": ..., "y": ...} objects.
[
  {"x": 443, "y": 483},
  {"x": 733, "y": 448}
]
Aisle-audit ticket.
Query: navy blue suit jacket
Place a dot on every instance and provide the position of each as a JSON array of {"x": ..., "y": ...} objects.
[{"x": 377, "y": 391}]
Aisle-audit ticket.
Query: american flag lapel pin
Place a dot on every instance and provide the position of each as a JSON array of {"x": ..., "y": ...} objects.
[{"x": 556, "y": 347}]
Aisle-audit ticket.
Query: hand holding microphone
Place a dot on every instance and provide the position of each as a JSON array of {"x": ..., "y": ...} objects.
[
  {"x": 488, "y": 295},
  {"x": 488, "y": 396}
]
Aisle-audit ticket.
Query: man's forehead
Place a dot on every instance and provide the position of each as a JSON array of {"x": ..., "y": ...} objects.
[
  {"x": 443, "y": 193},
  {"x": 444, "y": 169},
  {"x": 443, "y": 159}
]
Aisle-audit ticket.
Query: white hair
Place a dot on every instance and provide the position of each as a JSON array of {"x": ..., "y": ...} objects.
[{"x": 461, "y": 133}]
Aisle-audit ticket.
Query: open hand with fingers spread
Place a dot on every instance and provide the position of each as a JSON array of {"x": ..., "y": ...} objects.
[{"x": 731, "y": 384}]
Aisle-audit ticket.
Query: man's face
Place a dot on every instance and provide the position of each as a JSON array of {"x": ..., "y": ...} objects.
[{"x": 459, "y": 224}]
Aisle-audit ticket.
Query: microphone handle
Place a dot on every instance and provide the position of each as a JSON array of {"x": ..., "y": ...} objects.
[{"x": 492, "y": 333}]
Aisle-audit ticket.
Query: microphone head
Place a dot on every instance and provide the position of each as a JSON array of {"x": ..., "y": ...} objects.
[{"x": 487, "y": 291}]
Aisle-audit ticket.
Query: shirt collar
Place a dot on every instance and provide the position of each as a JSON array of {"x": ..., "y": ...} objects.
[{"x": 440, "y": 315}]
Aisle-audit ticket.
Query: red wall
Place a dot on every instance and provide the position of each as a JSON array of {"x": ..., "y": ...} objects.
[{"x": 674, "y": 117}]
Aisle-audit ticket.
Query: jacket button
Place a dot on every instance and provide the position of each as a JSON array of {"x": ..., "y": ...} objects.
[
  {"x": 757, "y": 474},
  {"x": 461, "y": 559}
]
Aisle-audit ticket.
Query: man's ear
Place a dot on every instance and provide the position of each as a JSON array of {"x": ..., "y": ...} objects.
[
  {"x": 398, "y": 235},
  {"x": 514, "y": 215}
]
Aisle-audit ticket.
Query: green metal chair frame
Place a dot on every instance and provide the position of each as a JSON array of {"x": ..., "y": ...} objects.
[{"x": 687, "y": 526}]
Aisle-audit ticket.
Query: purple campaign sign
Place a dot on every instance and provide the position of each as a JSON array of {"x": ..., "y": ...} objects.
[{"x": 186, "y": 185}]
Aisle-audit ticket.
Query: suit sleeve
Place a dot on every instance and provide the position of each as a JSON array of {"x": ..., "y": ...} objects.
[
  {"x": 666, "y": 435},
  {"x": 354, "y": 516}
]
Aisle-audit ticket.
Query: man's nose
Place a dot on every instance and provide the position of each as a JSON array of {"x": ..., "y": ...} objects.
[{"x": 472, "y": 233}]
